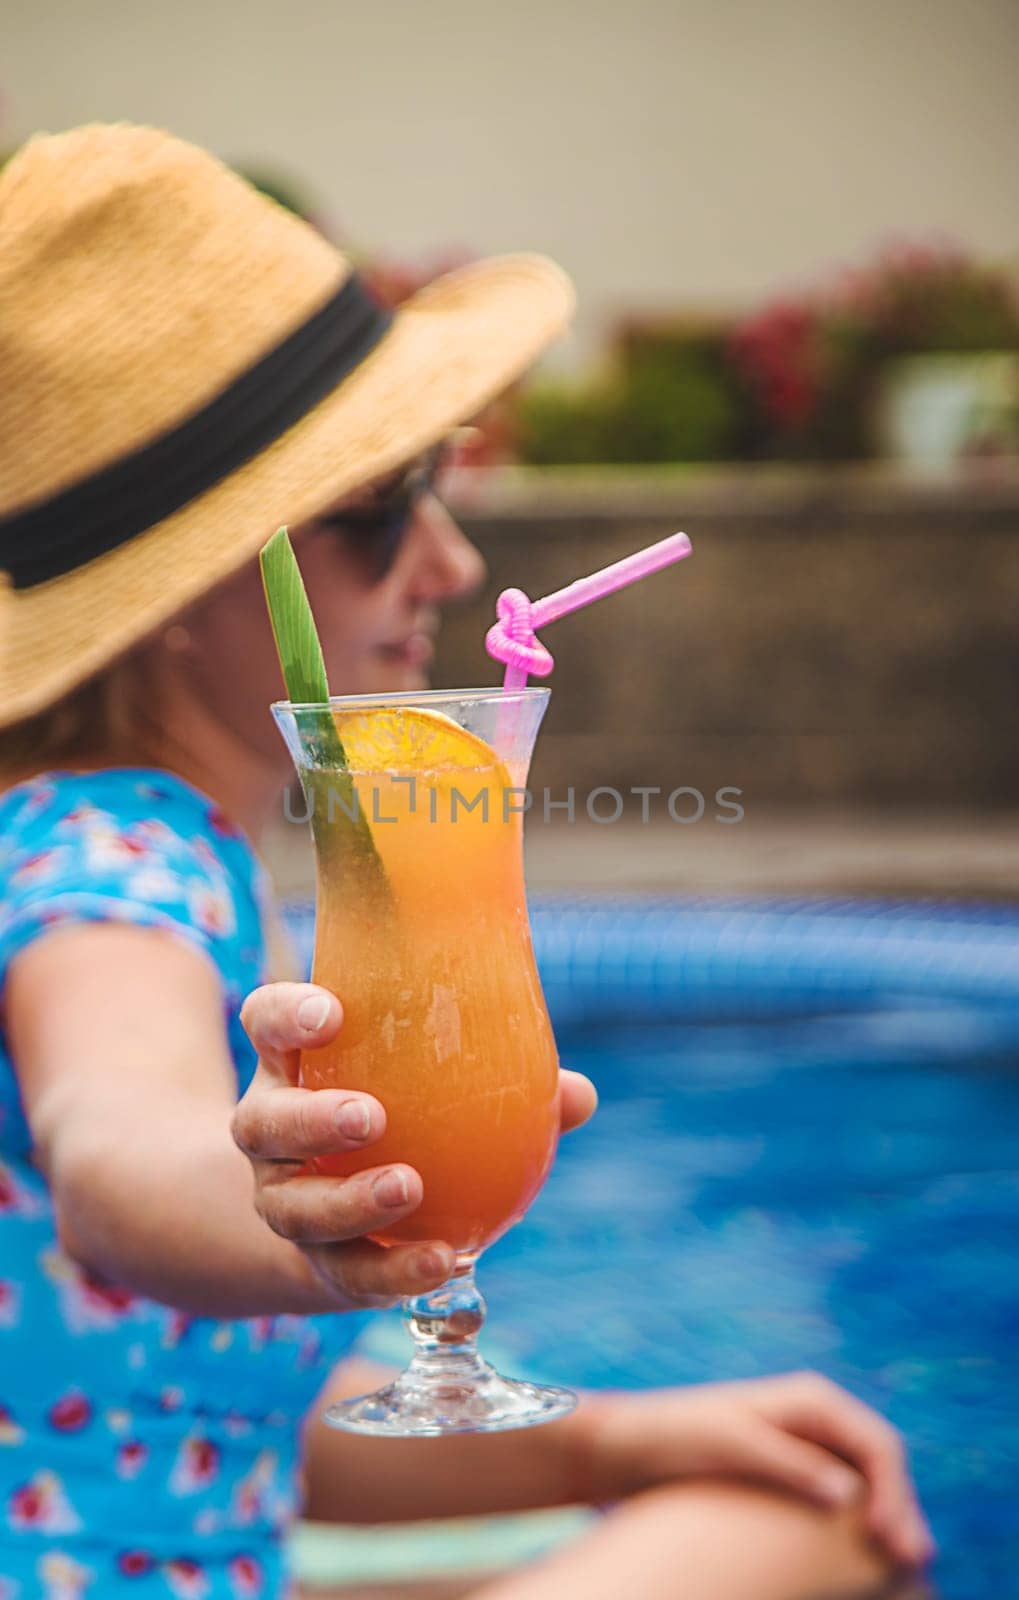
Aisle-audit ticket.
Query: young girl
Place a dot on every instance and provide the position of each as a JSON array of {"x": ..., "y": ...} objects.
[{"x": 185, "y": 367}]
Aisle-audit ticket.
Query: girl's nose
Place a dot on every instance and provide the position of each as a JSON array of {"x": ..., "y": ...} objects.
[{"x": 448, "y": 566}]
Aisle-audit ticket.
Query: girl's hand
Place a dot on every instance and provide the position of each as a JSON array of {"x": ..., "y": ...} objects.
[
  {"x": 799, "y": 1432},
  {"x": 280, "y": 1127}
]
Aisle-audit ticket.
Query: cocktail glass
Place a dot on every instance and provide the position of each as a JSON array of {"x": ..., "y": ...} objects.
[{"x": 421, "y": 929}]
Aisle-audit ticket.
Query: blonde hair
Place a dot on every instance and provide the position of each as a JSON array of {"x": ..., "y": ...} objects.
[
  {"x": 91, "y": 726},
  {"x": 96, "y": 725}
]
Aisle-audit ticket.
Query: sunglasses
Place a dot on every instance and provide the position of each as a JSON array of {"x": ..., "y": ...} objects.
[{"x": 376, "y": 529}]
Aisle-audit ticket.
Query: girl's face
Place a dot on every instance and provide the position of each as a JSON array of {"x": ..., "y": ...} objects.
[{"x": 377, "y": 632}]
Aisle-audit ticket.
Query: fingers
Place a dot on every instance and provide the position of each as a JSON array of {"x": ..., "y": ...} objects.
[
  {"x": 893, "y": 1511},
  {"x": 278, "y": 1124},
  {"x": 282, "y": 1018},
  {"x": 817, "y": 1409},
  {"x": 368, "y": 1275},
  {"x": 806, "y": 1469},
  {"x": 578, "y": 1100},
  {"x": 280, "y": 1127},
  {"x": 317, "y": 1211}
]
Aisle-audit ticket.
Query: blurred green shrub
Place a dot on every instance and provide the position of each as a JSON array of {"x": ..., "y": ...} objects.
[
  {"x": 287, "y": 192},
  {"x": 812, "y": 366},
  {"x": 796, "y": 380},
  {"x": 935, "y": 299},
  {"x": 668, "y": 397}
]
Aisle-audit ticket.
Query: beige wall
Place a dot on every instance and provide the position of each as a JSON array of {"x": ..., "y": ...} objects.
[{"x": 702, "y": 150}]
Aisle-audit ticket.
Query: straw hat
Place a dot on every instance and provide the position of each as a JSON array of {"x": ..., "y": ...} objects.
[{"x": 185, "y": 366}]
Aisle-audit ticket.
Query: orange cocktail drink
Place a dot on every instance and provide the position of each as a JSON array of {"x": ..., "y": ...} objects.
[
  {"x": 421, "y": 930},
  {"x": 444, "y": 1018}
]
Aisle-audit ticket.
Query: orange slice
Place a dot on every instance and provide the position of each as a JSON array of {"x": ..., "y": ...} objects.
[{"x": 405, "y": 739}]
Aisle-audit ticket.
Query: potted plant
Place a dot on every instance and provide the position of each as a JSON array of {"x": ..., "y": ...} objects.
[{"x": 946, "y": 333}]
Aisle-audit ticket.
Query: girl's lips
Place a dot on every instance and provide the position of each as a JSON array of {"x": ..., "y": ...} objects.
[{"x": 416, "y": 650}]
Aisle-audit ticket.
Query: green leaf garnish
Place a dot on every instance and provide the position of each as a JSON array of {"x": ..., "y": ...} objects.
[
  {"x": 293, "y": 626},
  {"x": 304, "y": 673}
]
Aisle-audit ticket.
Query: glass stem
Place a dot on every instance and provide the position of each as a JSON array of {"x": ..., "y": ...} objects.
[
  {"x": 444, "y": 1323},
  {"x": 448, "y": 1387}
]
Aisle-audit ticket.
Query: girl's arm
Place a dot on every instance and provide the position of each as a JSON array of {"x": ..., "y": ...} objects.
[
  {"x": 161, "y": 1180},
  {"x": 798, "y": 1434},
  {"x": 118, "y": 1037},
  {"x": 357, "y": 1479}
]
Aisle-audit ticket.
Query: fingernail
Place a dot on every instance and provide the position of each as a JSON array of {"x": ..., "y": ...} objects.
[
  {"x": 312, "y": 1012},
  {"x": 839, "y": 1486},
  {"x": 353, "y": 1119},
  {"x": 391, "y": 1189},
  {"x": 429, "y": 1264}
]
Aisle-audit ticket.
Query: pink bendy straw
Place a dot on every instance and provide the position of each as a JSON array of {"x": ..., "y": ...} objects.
[{"x": 513, "y": 640}]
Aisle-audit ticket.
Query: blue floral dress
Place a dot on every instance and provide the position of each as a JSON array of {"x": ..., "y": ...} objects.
[{"x": 143, "y": 1452}]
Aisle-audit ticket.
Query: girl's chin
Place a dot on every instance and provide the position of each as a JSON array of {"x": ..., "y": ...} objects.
[{"x": 396, "y": 677}]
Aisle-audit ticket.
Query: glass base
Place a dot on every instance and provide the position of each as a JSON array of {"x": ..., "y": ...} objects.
[{"x": 455, "y": 1392}]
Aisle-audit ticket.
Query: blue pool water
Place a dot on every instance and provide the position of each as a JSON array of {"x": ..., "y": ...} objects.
[{"x": 805, "y": 1157}]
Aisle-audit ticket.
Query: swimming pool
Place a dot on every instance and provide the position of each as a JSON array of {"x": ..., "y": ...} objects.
[{"x": 805, "y": 1157}]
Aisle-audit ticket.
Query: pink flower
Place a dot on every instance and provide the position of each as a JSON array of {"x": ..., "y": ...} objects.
[
  {"x": 251, "y": 1493},
  {"x": 131, "y": 1458},
  {"x": 780, "y": 354},
  {"x": 10, "y": 1431},
  {"x": 26, "y": 1507},
  {"x": 71, "y": 1412},
  {"x": 36, "y": 866},
  {"x": 111, "y": 1296},
  {"x": 211, "y": 909},
  {"x": 177, "y": 1324},
  {"x": 15, "y": 1196},
  {"x": 196, "y": 1466},
  {"x": 86, "y": 1302},
  {"x": 221, "y": 823},
  {"x": 134, "y": 1563},
  {"x": 82, "y": 812},
  {"x": 186, "y": 1579},
  {"x": 41, "y": 792},
  {"x": 42, "y": 1504},
  {"x": 246, "y": 1575}
]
